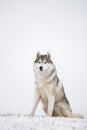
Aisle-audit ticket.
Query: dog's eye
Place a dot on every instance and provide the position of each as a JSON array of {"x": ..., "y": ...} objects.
[
  {"x": 39, "y": 62},
  {"x": 45, "y": 62}
]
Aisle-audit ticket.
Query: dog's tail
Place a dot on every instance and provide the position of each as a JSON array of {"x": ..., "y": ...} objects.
[{"x": 75, "y": 115}]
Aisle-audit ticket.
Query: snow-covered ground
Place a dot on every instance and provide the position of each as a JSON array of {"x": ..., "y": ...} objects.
[{"x": 13, "y": 122}]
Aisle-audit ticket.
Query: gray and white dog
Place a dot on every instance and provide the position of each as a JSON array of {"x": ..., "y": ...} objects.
[{"x": 49, "y": 89}]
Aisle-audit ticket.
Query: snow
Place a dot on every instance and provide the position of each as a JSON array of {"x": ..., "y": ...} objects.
[{"x": 14, "y": 122}]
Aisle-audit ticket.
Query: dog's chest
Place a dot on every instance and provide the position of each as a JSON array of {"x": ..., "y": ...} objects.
[{"x": 45, "y": 92}]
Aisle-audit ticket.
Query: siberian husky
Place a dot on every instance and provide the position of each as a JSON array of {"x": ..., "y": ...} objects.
[{"x": 49, "y": 89}]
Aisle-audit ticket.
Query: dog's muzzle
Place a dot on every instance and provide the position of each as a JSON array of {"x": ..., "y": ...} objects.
[{"x": 41, "y": 68}]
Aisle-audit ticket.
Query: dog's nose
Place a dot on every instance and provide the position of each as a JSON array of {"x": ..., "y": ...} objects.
[{"x": 41, "y": 68}]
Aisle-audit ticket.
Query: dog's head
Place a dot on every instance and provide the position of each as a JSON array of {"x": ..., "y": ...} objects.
[{"x": 42, "y": 62}]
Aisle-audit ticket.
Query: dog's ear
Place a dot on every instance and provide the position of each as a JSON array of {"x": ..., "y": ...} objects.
[
  {"x": 48, "y": 55},
  {"x": 37, "y": 55}
]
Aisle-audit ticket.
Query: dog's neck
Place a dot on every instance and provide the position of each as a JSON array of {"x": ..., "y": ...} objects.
[{"x": 45, "y": 77}]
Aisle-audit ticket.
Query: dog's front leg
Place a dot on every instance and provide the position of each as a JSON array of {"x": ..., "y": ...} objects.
[
  {"x": 50, "y": 105},
  {"x": 36, "y": 101}
]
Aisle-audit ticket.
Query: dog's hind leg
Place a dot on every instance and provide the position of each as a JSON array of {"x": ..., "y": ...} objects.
[
  {"x": 66, "y": 113},
  {"x": 63, "y": 110}
]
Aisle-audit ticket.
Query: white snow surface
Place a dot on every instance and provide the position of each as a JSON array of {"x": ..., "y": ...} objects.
[{"x": 14, "y": 122}]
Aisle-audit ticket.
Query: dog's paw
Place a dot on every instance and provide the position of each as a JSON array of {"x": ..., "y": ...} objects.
[
  {"x": 31, "y": 114},
  {"x": 49, "y": 114}
]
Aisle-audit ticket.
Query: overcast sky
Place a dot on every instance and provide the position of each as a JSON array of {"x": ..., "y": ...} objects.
[{"x": 27, "y": 26}]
